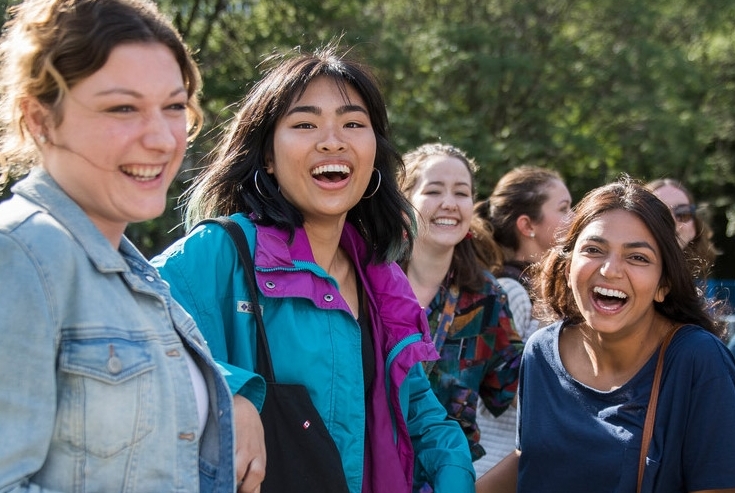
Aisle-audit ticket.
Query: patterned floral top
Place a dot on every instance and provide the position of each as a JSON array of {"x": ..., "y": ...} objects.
[{"x": 480, "y": 356}]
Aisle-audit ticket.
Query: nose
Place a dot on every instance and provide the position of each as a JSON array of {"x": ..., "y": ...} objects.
[
  {"x": 160, "y": 132},
  {"x": 610, "y": 268},
  {"x": 449, "y": 202},
  {"x": 331, "y": 140}
]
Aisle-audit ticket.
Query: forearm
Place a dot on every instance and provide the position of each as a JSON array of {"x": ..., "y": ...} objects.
[{"x": 502, "y": 478}]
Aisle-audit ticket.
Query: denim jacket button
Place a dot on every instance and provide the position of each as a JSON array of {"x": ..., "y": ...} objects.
[
  {"x": 114, "y": 365},
  {"x": 150, "y": 278},
  {"x": 187, "y": 436}
]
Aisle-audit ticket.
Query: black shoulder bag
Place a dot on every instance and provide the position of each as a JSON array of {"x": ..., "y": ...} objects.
[{"x": 301, "y": 455}]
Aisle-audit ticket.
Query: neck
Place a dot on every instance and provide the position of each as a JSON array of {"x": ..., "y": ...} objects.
[
  {"x": 606, "y": 362},
  {"x": 426, "y": 271},
  {"x": 324, "y": 241}
]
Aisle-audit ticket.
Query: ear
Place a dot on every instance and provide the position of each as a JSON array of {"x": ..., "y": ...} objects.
[
  {"x": 525, "y": 226},
  {"x": 661, "y": 293},
  {"x": 36, "y": 116},
  {"x": 269, "y": 163}
]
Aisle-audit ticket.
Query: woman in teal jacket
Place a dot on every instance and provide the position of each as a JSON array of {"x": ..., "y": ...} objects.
[{"x": 307, "y": 170}]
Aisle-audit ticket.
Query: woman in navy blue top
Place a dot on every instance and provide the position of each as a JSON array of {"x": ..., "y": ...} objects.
[{"x": 619, "y": 283}]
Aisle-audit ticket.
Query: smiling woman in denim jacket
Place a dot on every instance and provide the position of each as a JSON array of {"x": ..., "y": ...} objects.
[
  {"x": 107, "y": 384},
  {"x": 307, "y": 170}
]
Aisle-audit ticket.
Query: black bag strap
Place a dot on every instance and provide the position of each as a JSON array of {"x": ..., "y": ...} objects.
[{"x": 264, "y": 362}]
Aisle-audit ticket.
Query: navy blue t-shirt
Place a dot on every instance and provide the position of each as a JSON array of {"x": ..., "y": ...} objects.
[{"x": 574, "y": 438}]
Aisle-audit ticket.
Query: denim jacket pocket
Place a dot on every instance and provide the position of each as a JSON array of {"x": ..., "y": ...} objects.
[{"x": 106, "y": 402}]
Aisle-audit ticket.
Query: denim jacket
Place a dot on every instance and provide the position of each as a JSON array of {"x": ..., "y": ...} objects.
[
  {"x": 95, "y": 393},
  {"x": 400, "y": 432}
]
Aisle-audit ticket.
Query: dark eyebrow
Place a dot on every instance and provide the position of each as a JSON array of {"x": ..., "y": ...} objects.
[
  {"x": 633, "y": 244},
  {"x": 348, "y": 108}
]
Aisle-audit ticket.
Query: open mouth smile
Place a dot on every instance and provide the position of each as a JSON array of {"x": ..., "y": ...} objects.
[
  {"x": 331, "y": 172},
  {"x": 609, "y": 299}
]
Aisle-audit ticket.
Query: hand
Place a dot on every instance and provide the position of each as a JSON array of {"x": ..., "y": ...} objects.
[{"x": 249, "y": 446}]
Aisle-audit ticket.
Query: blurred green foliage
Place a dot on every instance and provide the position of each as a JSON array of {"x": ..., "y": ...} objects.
[{"x": 592, "y": 88}]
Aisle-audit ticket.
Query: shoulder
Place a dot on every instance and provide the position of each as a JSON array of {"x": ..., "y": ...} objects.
[
  {"x": 204, "y": 256},
  {"x": 200, "y": 243},
  {"x": 30, "y": 232},
  {"x": 493, "y": 287},
  {"x": 697, "y": 350},
  {"x": 513, "y": 289},
  {"x": 544, "y": 339}
]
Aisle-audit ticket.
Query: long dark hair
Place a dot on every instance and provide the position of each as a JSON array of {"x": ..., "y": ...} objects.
[
  {"x": 682, "y": 304},
  {"x": 228, "y": 184}
]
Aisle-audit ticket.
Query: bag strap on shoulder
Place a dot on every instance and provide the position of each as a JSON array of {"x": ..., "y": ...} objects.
[
  {"x": 264, "y": 362},
  {"x": 652, "y": 404}
]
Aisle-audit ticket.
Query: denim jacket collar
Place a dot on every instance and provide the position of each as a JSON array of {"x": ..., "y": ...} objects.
[{"x": 41, "y": 189}]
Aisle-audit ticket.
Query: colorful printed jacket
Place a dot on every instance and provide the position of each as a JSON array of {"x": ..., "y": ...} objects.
[
  {"x": 315, "y": 341},
  {"x": 480, "y": 357}
]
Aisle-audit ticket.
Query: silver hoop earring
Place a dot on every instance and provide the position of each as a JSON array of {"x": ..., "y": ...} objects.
[
  {"x": 257, "y": 188},
  {"x": 380, "y": 179}
]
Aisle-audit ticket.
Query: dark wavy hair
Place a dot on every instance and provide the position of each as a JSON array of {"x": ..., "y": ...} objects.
[
  {"x": 682, "y": 304},
  {"x": 228, "y": 184}
]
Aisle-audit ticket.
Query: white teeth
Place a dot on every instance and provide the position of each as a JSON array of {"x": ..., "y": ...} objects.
[
  {"x": 331, "y": 168},
  {"x": 610, "y": 292},
  {"x": 445, "y": 221},
  {"x": 142, "y": 172}
]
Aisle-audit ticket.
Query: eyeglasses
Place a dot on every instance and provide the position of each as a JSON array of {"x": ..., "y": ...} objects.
[{"x": 683, "y": 213}]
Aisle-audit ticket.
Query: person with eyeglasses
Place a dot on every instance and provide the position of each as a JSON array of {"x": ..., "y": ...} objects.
[{"x": 693, "y": 232}]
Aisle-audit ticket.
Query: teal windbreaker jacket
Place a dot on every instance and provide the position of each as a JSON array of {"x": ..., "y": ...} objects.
[{"x": 315, "y": 341}]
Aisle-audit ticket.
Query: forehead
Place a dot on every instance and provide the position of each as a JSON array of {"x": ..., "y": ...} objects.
[
  {"x": 557, "y": 191},
  {"x": 671, "y": 195},
  {"x": 142, "y": 70},
  {"x": 618, "y": 227},
  {"x": 324, "y": 88},
  {"x": 445, "y": 169}
]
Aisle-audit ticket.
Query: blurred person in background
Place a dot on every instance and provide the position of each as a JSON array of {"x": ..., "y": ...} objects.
[
  {"x": 693, "y": 232},
  {"x": 524, "y": 210},
  {"x": 450, "y": 270}
]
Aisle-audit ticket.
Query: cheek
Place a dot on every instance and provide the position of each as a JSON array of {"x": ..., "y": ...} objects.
[
  {"x": 466, "y": 208},
  {"x": 689, "y": 231}
]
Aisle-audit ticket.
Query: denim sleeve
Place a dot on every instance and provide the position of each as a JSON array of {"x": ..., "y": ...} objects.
[
  {"x": 442, "y": 456},
  {"x": 188, "y": 276},
  {"x": 28, "y": 342}
]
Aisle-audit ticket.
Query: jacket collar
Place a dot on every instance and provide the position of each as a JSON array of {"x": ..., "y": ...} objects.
[{"x": 41, "y": 189}]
